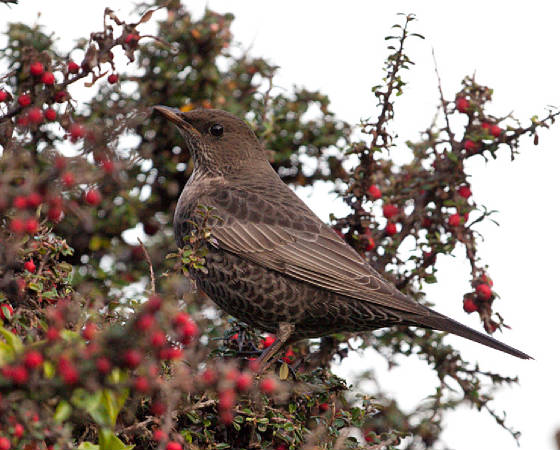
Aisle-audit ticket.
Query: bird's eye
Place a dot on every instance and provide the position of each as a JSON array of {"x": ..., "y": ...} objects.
[{"x": 216, "y": 130}]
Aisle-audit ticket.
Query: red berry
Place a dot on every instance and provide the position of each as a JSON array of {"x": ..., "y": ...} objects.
[
  {"x": 48, "y": 78},
  {"x": 469, "y": 305},
  {"x": 464, "y": 191},
  {"x": 77, "y": 131},
  {"x": 20, "y": 202},
  {"x": 24, "y": 100},
  {"x": 22, "y": 120},
  {"x": 454, "y": 220},
  {"x": 108, "y": 165},
  {"x": 462, "y": 104},
  {"x": 113, "y": 78},
  {"x": 6, "y": 311},
  {"x": 60, "y": 96},
  {"x": 18, "y": 430},
  {"x": 487, "y": 280},
  {"x": 391, "y": 228},
  {"x": 159, "y": 435},
  {"x": 68, "y": 179},
  {"x": 34, "y": 199},
  {"x": 60, "y": 162},
  {"x": 17, "y": 225},
  {"x": 231, "y": 374},
  {"x": 131, "y": 38},
  {"x": 145, "y": 322},
  {"x": 92, "y": 197},
  {"x": 171, "y": 353},
  {"x": 103, "y": 365},
  {"x": 69, "y": 374},
  {"x": 189, "y": 331},
  {"x": 52, "y": 334},
  {"x": 5, "y": 443},
  {"x": 268, "y": 341},
  {"x": 374, "y": 191},
  {"x": 244, "y": 381},
  {"x": 370, "y": 244},
  {"x": 484, "y": 291},
  {"x": 55, "y": 213},
  {"x": 154, "y": 303},
  {"x": 390, "y": 210},
  {"x": 30, "y": 266},
  {"x": 181, "y": 319},
  {"x": 32, "y": 359},
  {"x": 426, "y": 222},
  {"x": 50, "y": 114},
  {"x": 19, "y": 374},
  {"x": 495, "y": 130},
  {"x": 470, "y": 146},
  {"x": 429, "y": 257},
  {"x": 158, "y": 408},
  {"x": 173, "y": 446},
  {"x": 36, "y": 68},
  {"x": 157, "y": 339},
  {"x": 227, "y": 399},
  {"x": 209, "y": 376},
  {"x": 35, "y": 115},
  {"x": 485, "y": 126},
  {"x": 132, "y": 358},
  {"x": 226, "y": 417},
  {"x": 268, "y": 385},
  {"x": 3, "y": 96},
  {"x": 141, "y": 384},
  {"x": 73, "y": 67},
  {"x": 289, "y": 356},
  {"x": 31, "y": 226},
  {"x": 323, "y": 407},
  {"x": 89, "y": 331}
]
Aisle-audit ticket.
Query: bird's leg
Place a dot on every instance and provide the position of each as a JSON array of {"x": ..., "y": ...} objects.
[{"x": 285, "y": 330}]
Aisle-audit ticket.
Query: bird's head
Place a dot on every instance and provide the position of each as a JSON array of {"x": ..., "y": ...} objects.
[{"x": 218, "y": 141}]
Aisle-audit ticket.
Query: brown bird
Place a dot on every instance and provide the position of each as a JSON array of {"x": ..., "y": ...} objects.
[{"x": 275, "y": 264}]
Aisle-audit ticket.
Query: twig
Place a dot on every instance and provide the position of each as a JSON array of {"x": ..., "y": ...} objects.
[
  {"x": 443, "y": 101},
  {"x": 152, "y": 276}
]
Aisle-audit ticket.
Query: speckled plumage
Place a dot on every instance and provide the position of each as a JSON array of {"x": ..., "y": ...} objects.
[{"x": 275, "y": 262}]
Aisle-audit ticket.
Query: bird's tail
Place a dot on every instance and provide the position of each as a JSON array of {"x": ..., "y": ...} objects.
[{"x": 440, "y": 322}]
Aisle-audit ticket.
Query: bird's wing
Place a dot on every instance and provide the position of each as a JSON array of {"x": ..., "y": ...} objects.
[{"x": 283, "y": 234}]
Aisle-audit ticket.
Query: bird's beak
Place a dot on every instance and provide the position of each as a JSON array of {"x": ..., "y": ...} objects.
[{"x": 174, "y": 116}]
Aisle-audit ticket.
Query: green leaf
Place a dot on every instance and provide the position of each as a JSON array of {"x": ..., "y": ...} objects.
[
  {"x": 6, "y": 353},
  {"x": 430, "y": 279},
  {"x": 452, "y": 156},
  {"x": 62, "y": 411},
  {"x": 113, "y": 403},
  {"x": 35, "y": 286},
  {"x": 118, "y": 376},
  {"x": 187, "y": 436},
  {"x": 103, "y": 406},
  {"x": 88, "y": 446},
  {"x": 13, "y": 341},
  {"x": 69, "y": 335},
  {"x": 284, "y": 371},
  {"x": 48, "y": 369},
  {"x": 108, "y": 441},
  {"x": 65, "y": 266}
]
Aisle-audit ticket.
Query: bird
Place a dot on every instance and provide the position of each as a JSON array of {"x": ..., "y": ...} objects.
[{"x": 272, "y": 263}]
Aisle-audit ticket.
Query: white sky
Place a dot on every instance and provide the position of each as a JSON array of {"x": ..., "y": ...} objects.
[{"x": 513, "y": 46}]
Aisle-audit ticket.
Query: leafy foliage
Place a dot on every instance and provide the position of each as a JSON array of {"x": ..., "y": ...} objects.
[{"x": 105, "y": 345}]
